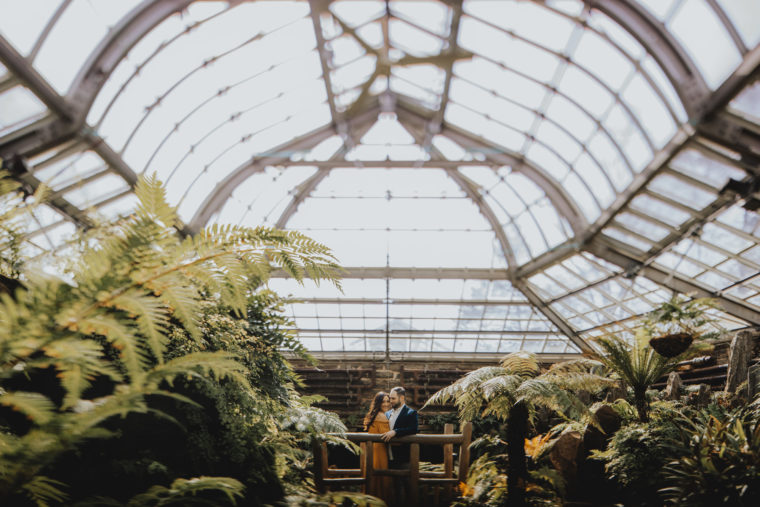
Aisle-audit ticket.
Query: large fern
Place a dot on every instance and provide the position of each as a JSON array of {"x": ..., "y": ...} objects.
[
  {"x": 128, "y": 285},
  {"x": 512, "y": 391}
]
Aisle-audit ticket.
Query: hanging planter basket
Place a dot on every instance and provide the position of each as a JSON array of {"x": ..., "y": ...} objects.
[{"x": 671, "y": 345}]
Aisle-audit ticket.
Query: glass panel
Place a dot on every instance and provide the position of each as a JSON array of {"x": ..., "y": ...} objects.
[
  {"x": 23, "y": 23},
  {"x": 93, "y": 192},
  {"x": 18, "y": 106},
  {"x": 433, "y": 16},
  {"x": 680, "y": 191},
  {"x": 69, "y": 170},
  {"x": 748, "y": 102},
  {"x": 627, "y": 238},
  {"x": 260, "y": 198},
  {"x": 602, "y": 59},
  {"x": 705, "y": 169},
  {"x": 650, "y": 110},
  {"x": 719, "y": 236},
  {"x": 68, "y": 45},
  {"x": 412, "y": 40},
  {"x": 355, "y": 13},
  {"x": 716, "y": 55},
  {"x": 522, "y": 17},
  {"x": 643, "y": 227},
  {"x": 744, "y": 14},
  {"x": 659, "y": 210}
]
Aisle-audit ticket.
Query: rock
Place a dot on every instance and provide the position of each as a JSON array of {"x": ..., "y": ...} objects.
[
  {"x": 608, "y": 419},
  {"x": 610, "y": 422},
  {"x": 739, "y": 356},
  {"x": 566, "y": 453},
  {"x": 616, "y": 393},
  {"x": 699, "y": 396},
  {"x": 584, "y": 397},
  {"x": 753, "y": 381},
  {"x": 672, "y": 390}
]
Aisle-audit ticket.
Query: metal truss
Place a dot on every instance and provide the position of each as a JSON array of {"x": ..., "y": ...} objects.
[
  {"x": 708, "y": 120},
  {"x": 416, "y": 273}
]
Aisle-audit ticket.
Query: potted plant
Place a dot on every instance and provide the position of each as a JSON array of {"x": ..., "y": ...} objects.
[{"x": 675, "y": 324}]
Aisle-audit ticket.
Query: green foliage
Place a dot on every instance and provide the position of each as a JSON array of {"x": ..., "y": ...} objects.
[
  {"x": 493, "y": 390},
  {"x": 638, "y": 449},
  {"x": 511, "y": 392},
  {"x": 333, "y": 499},
  {"x": 720, "y": 464},
  {"x": 15, "y": 214},
  {"x": 187, "y": 491},
  {"x": 147, "y": 327},
  {"x": 636, "y": 364},
  {"x": 682, "y": 315}
]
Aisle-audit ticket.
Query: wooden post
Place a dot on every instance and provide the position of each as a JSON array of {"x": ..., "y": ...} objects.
[
  {"x": 464, "y": 451},
  {"x": 448, "y": 462},
  {"x": 362, "y": 464},
  {"x": 316, "y": 448},
  {"x": 414, "y": 474},
  {"x": 369, "y": 469}
]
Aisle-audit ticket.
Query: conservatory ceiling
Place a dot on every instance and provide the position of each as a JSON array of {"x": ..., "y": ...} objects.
[{"x": 494, "y": 175}]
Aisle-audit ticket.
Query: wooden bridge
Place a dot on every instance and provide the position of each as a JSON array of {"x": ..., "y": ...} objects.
[{"x": 424, "y": 487}]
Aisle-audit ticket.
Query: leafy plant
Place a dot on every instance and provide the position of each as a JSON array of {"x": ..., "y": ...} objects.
[
  {"x": 721, "y": 461},
  {"x": 511, "y": 392},
  {"x": 636, "y": 364},
  {"x": 638, "y": 449},
  {"x": 76, "y": 353},
  {"x": 683, "y": 315}
]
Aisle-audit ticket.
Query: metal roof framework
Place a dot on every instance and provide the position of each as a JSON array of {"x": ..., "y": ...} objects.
[{"x": 607, "y": 233}]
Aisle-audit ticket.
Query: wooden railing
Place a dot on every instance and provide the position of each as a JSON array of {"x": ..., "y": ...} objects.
[{"x": 443, "y": 483}]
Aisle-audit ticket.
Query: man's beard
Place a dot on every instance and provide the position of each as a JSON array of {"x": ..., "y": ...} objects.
[{"x": 396, "y": 405}]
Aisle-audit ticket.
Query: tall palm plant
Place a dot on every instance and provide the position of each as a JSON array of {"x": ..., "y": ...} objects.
[
  {"x": 636, "y": 364},
  {"x": 511, "y": 392}
]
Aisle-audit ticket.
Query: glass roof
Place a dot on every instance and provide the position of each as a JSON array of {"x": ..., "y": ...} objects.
[{"x": 494, "y": 176}]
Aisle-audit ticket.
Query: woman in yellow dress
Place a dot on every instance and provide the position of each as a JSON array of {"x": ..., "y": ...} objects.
[{"x": 376, "y": 422}]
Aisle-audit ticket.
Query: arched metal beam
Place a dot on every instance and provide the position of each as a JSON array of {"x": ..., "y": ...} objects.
[
  {"x": 114, "y": 47},
  {"x": 219, "y": 195},
  {"x": 471, "y": 189},
  {"x": 567, "y": 207},
  {"x": 216, "y": 198},
  {"x": 307, "y": 187},
  {"x": 673, "y": 60}
]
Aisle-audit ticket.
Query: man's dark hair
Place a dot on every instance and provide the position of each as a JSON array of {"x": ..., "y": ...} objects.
[{"x": 400, "y": 391}]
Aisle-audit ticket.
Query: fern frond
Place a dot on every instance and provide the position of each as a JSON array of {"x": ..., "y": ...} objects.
[
  {"x": 219, "y": 364},
  {"x": 44, "y": 491},
  {"x": 77, "y": 361},
  {"x": 34, "y": 406},
  {"x": 521, "y": 363},
  {"x": 121, "y": 337},
  {"x": 183, "y": 488},
  {"x": 151, "y": 315}
]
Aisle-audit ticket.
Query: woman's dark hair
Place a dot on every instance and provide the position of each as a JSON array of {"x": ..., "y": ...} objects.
[{"x": 374, "y": 409}]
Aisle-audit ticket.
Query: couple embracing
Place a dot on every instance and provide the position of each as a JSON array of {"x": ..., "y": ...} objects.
[{"x": 390, "y": 416}]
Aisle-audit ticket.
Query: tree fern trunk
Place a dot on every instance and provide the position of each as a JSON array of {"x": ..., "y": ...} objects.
[
  {"x": 517, "y": 471},
  {"x": 640, "y": 397}
]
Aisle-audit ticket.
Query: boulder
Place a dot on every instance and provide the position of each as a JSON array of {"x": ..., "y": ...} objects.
[
  {"x": 673, "y": 389},
  {"x": 739, "y": 356},
  {"x": 615, "y": 393},
  {"x": 699, "y": 395},
  {"x": 566, "y": 454},
  {"x": 610, "y": 422}
]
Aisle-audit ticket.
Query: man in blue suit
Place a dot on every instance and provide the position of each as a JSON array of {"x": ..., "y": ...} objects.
[{"x": 403, "y": 421}]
